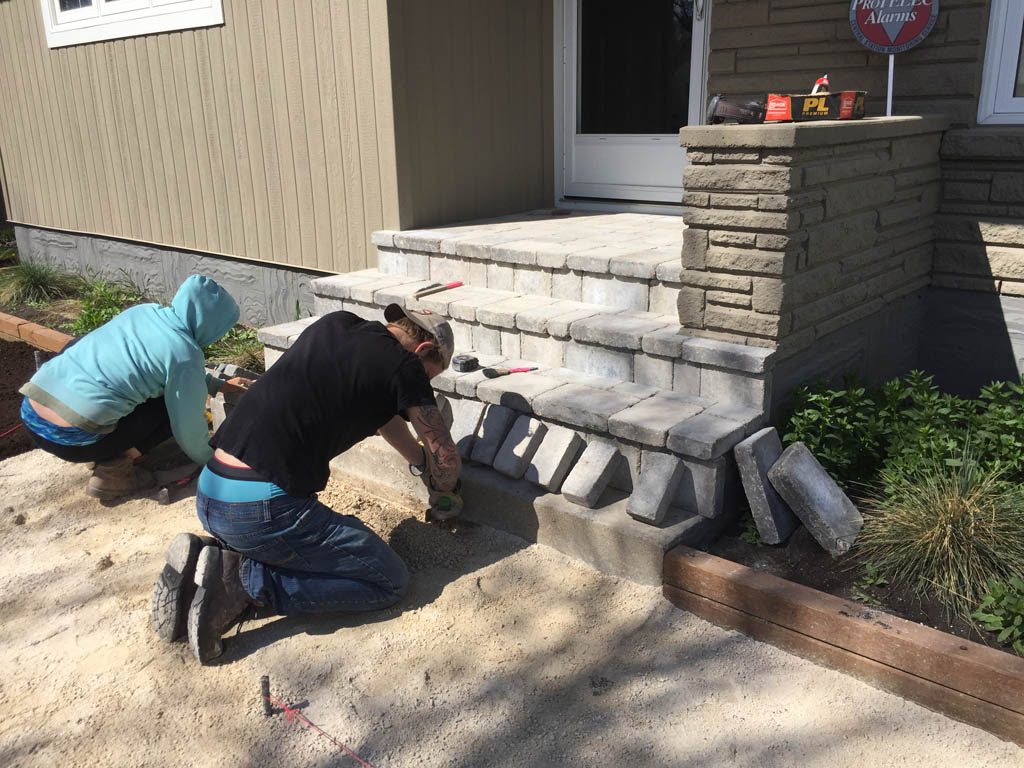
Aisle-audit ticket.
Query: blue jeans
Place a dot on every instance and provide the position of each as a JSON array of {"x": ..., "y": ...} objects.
[{"x": 300, "y": 556}]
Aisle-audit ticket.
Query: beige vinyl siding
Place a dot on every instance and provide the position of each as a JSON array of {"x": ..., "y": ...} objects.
[
  {"x": 473, "y": 93},
  {"x": 270, "y": 138}
]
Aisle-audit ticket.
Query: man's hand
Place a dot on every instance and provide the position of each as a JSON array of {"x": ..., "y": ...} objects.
[{"x": 237, "y": 384}]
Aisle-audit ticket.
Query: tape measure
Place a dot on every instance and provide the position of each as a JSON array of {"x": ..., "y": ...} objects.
[{"x": 465, "y": 363}]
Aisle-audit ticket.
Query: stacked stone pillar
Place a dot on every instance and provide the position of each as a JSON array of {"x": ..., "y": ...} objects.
[{"x": 808, "y": 237}]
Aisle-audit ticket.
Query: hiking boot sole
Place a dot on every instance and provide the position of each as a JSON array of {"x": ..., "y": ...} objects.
[
  {"x": 175, "y": 586},
  {"x": 104, "y": 495},
  {"x": 204, "y": 641}
]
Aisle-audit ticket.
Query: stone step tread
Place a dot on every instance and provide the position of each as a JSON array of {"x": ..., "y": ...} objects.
[
  {"x": 633, "y": 257},
  {"x": 561, "y": 318},
  {"x": 690, "y": 426}
]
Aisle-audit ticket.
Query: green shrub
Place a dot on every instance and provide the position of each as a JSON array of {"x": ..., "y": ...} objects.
[
  {"x": 1002, "y": 611},
  {"x": 31, "y": 283},
  {"x": 238, "y": 346},
  {"x": 101, "y": 302},
  {"x": 907, "y": 423},
  {"x": 945, "y": 528}
]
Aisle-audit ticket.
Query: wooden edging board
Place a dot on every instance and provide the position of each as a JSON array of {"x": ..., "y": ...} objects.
[
  {"x": 965, "y": 680},
  {"x": 40, "y": 336}
]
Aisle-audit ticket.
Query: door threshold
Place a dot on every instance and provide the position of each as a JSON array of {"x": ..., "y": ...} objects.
[{"x": 619, "y": 206}]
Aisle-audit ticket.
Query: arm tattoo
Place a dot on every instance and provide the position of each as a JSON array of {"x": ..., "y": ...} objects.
[{"x": 445, "y": 456}]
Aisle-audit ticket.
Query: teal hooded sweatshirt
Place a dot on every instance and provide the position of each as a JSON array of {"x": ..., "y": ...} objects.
[{"x": 146, "y": 351}]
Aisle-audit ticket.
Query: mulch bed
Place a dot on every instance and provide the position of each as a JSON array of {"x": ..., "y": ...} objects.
[
  {"x": 803, "y": 561},
  {"x": 17, "y": 365}
]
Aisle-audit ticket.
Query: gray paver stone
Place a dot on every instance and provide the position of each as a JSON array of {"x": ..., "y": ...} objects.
[
  {"x": 517, "y": 390},
  {"x": 667, "y": 342},
  {"x": 755, "y": 456},
  {"x": 502, "y": 314},
  {"x": 704, "y": 437},
  {"x": 554, "y": 458},
  {"x": 282, "y": 336},
  {"x": 816, "y": 499},
  {"x": 468, "y": 415},
  {"x": 709, "y": 488},
  {"x": 659, "y": 479},
  {"x": 519, "y": 447},
  {"x": 589, "y": 478},
  {"x": 496, "y": 423},
  {"x": 615, "y": 330},
  {"x": 649, "y": 421},
  {"x": 582, "y": 406}
]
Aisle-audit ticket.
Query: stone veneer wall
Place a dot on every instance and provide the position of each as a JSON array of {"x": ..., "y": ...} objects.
[
  {"x": 980, "y": 233},
  {"x": 796, "y": 231},
  {"x": 976, "y": 306},
  {"x": 783, "y": 45}
]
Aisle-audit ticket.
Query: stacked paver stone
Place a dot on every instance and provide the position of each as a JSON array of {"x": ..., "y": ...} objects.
[{"x": 618, "y": 386}]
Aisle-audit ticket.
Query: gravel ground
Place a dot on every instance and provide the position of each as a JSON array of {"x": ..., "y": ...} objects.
[{"x": 502, "y": 654}]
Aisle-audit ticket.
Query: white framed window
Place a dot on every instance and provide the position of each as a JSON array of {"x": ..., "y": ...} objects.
[
  {"x": 71, "y": 22},
  {"x": 1002, "y": 84}
]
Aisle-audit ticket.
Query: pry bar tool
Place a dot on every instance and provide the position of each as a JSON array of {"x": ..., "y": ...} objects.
[{"x": 436, "y": 288}]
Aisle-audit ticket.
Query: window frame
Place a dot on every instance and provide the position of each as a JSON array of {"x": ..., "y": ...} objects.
[
  {"x": 996, "y": 104},
  {"x": 110, "y": 20}
]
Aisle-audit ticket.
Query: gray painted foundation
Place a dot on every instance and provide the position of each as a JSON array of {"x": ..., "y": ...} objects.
[{"x": 267, "y": 294}]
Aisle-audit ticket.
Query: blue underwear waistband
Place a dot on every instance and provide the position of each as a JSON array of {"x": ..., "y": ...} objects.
[
  {"x": 55, "y": 434},
  {"x": 233, "y": 490}
]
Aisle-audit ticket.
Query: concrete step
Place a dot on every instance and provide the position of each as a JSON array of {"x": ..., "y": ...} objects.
[
  {"x": 631, "y": 273},
  {"x": 628, "y": 345},
  {"x": 497, "y": 421},
  {"x": 605, "y": 537}
]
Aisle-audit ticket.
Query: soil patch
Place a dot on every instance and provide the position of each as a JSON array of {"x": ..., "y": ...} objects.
[
  {"x": 17, "y": 364},
  {"x": 803, "y": 561}
]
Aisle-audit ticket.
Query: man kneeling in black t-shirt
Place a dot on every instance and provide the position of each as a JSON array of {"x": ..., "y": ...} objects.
[{"x": 278, "y": 550}]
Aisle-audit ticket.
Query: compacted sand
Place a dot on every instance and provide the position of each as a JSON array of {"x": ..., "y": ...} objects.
[{"x": 503, "y": 654}]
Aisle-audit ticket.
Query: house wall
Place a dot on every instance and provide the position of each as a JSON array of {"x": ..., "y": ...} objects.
[
  {"x": 269, "y": 138},
  {"x": 810, "y": 37},
  {"x": 473, "y": 107}
]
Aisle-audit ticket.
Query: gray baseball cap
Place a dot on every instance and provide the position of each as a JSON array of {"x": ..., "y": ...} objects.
[{"x": 433, "y": 324}]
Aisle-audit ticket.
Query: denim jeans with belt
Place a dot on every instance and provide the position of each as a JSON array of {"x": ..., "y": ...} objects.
[{"x": 300, "y": 556}]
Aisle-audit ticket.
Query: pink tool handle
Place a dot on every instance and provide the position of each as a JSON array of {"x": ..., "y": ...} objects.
[
  {"x": 453, "y": 284},
  {"x": 520, "y": 370}
]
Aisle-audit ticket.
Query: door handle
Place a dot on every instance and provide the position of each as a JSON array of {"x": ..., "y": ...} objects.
[{"x": 698, "y": 9}]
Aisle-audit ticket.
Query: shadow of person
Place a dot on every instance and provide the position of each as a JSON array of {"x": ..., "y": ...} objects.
[{"x": 435, "y": 555}]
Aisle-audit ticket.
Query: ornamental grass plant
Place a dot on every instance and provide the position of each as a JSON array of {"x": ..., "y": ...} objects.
[
  {"x": 32, "y": 283},
  {"x": 945, "y": 527}
]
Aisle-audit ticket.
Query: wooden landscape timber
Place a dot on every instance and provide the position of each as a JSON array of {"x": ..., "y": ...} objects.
[
  {"x": 959, "y": 678},
  {"x": 15, "y": 329}
]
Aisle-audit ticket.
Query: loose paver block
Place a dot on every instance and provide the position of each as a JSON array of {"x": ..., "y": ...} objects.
[
  {"x": 815, "y": 498},
  {"x": 467, "y": 417},
  {"x": 652, "y": 495},
  {"x": 519, "y": 447},
  {"x": 589, "y": 478},
  {"x": 554, "y": 458},
  {"x": 755, "y": 456},
  {"x": 496, "y": 423}
]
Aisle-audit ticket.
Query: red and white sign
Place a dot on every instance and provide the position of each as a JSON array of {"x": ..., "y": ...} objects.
[{"x": 892, "y": 26}]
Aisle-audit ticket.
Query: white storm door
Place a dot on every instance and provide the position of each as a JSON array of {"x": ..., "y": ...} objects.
[{"x": 632, "y": 75}]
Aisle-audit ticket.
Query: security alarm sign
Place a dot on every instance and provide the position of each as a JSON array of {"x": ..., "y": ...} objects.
[{"x": 892, "y": 26}]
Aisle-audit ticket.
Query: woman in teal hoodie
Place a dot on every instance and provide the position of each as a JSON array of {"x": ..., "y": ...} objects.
[{"x": 129, "y": 385}]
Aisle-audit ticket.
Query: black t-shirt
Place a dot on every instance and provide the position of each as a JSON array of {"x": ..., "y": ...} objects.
[{"x": 342, "y": 380}]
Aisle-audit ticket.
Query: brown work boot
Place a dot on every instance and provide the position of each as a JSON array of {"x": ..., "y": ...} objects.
[
  {"x": 118, "y": 477},
  {"x": 176, "y": 586},
  {"x": 220, "y": 602}
]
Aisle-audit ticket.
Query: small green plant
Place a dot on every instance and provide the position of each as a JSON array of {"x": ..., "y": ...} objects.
[
  {"x": 945, "y": 528},
  {"x": 238, "y": 346},
  {"x": 101, "y": 302},
  {"x": 871, "y": 580},
  {"x": 8, "y": 247},
  {"x": 750, "y": 533},
  {"x": 1002, "y": 611},
  {"x": 32, "y": 283}
]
